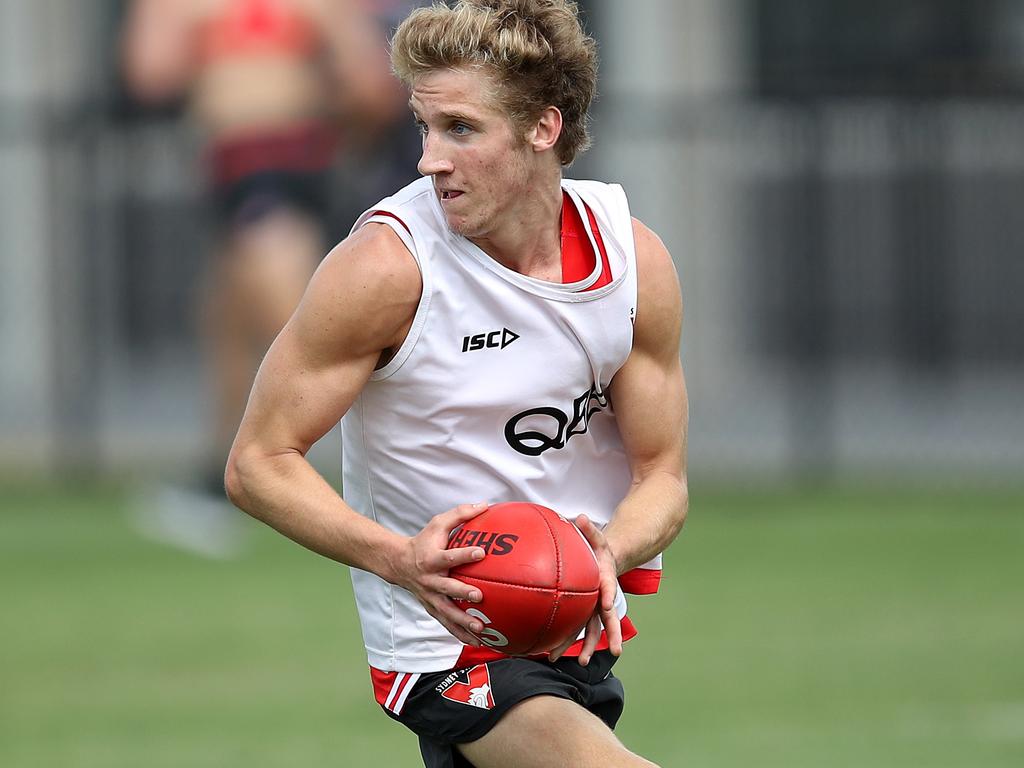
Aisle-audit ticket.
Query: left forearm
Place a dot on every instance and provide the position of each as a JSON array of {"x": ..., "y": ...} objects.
[
  {"x": 648, "y": 519},
  {"x": 652, "y": 411}
]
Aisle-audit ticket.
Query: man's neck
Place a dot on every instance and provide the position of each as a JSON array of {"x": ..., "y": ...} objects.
[{"x": 529, "y": 239}]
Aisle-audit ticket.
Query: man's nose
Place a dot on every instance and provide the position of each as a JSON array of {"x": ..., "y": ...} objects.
[{"x": 434, "y": 159}]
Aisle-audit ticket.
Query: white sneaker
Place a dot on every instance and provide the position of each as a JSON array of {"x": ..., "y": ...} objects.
[{"x": 189, "y": 519}]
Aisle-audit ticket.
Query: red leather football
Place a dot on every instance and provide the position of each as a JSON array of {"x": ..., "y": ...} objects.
[{"x": 539, "y": 578}]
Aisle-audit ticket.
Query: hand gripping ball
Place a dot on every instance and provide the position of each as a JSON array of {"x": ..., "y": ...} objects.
[{"x": 539, "y": 578}]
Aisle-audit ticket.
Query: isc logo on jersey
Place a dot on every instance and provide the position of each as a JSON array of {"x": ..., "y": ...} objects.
[{"x": 490, "y": 340}]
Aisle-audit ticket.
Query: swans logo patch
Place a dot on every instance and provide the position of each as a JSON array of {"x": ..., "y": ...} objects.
[{"x": 471, "y": 687}]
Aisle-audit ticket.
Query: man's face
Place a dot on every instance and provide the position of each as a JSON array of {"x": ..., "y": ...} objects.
[{"x": 480, "y": 166}]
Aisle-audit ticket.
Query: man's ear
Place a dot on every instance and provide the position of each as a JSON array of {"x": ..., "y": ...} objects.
[{"x": 544, "y": 135}]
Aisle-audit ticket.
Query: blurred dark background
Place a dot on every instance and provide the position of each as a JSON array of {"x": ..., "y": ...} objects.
[
  {"x": 838, "y": 182},
  {"x": 839, "y": 185}
]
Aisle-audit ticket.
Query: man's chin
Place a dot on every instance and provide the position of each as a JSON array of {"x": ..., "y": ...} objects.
[{"x": 459, "y": 227}]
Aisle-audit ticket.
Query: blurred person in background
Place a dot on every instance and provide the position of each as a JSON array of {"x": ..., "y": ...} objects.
[
  {"x": 576, "y": 402},
  {"x": 278, "y": 88}
]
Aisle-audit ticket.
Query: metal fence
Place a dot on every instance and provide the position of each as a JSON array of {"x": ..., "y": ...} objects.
[
  {"x": 852, "y": 275},
  {"x": 851, "y": 271}
]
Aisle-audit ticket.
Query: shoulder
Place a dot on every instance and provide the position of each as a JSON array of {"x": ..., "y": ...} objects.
[
  {"x": 366, "y": 290},
  {"x": 650, "y": 249},
  {"x": 371, "y": 262},
  {"x": 377, "y": 253},
  {"x": 659, "y": 309}
]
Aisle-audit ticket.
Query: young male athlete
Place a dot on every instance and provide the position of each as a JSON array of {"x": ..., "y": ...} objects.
[{"x": 491, "y": 332}]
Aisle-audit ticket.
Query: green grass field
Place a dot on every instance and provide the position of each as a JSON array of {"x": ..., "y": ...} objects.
[{"x": 794, "y": 629}]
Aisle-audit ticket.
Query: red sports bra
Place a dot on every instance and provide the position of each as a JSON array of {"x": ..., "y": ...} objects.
[{"x": 257, "y": 26}]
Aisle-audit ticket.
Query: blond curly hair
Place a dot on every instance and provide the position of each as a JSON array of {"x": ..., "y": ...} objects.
[{"x": 536, "y": 51}]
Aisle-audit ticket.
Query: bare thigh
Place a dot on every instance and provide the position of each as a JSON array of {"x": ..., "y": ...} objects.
[
  {"x": 270, "y": 263},
  {"x": 251, "y": 291},
  {"x": 550, "y": 732}
]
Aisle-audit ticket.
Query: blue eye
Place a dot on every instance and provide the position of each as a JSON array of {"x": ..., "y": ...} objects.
[{"x": 460, "y": 129}]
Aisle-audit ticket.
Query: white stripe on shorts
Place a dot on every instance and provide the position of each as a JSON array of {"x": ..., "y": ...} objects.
[
  {"x": 400, "y": 691},
  {"x": 405, "y": 693}
]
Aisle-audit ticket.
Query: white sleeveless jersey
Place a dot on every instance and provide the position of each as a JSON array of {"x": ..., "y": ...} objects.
[{"x": 499, "y": 393}]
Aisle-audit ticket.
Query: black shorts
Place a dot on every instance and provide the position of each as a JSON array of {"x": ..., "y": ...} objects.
[
  {"x": 260, "y": 172},
  {"x": 250, "y": 198},
  {"x": 459, "y": 706}
]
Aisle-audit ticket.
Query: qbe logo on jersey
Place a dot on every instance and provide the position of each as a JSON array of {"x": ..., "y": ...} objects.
[
  {"x": 541, "y": 429},
  {"x": 471, "y": 687}
]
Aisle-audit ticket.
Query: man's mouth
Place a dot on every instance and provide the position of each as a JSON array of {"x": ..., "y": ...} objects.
[{"x": 449, "y": 194}]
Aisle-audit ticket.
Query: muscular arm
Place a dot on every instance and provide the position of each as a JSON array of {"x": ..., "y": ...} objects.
[
  {"x": 358, "y": 304},
  {"x": 651, "y": 408},
  {"x": 649, "y": 396}
]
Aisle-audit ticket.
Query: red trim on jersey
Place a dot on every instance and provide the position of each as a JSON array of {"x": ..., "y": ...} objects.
[
  {"x": 389, "y": 213},
  {"x": 473, "y": 655},
  {"x": 628, "y": 633},
  {"x": 383, "y": 682},
  {"x": 578, "y": 258},
  {"x": 390, "y": 688},
  {"x": 641, "y": 581}
]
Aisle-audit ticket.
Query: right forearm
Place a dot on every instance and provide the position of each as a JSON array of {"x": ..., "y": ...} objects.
[
  {"x": 284, "y": 491},
  {"x": 288, "y": 494}
]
